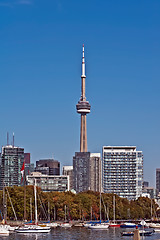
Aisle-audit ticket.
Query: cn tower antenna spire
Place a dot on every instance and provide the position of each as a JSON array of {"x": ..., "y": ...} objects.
[{"x": 83, "y": 64}]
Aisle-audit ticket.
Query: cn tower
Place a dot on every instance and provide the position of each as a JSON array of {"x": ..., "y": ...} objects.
[{"x": 83, "y": 107}]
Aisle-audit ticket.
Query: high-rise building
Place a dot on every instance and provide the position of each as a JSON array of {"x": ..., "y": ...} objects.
[
  {"x": 87, "y": 171},
  {"x": 27, "y": 157},
  {"x": 28, "y": 165},
  {"x": 95, "y": 172},
  {"x": 48, "y": 167},
  {"x": 122, "y": 171},
  {"x": 68, "y": 171},
  {"x": 158, "y": 179},
  {"x": 12, "y": 159},
  {"x": 81, "y": 171},
  {"x": 145, "y": 184}
]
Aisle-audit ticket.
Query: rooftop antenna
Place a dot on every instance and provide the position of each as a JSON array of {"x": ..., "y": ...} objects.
[
  {"x": 13, "y": 139},
  {"x": 7, "y": 138}
]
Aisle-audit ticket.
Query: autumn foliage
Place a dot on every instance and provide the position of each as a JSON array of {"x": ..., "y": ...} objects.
[{"x": 80, "y": 206}]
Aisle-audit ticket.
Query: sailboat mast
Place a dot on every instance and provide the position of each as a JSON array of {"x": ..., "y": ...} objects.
[
  {"x": 100, "y": 215},
  {"x": 4, "y": 204},
  {"x": 151, "y": 208},
  {"x": 31, "y": 207},
  {"x": 114, "y": 208},
  {"x": 91, "y": 213},
  {"x": 65, "y": 212},
  {"x": 48, "y": 211},
  {"x": 54, "y": 213},
  {"x": 35, "y": 197},
  {"x": 24, "y": 195}
]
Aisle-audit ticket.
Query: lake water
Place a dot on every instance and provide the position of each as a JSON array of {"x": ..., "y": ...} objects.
[{"x": 77, "y": 233}]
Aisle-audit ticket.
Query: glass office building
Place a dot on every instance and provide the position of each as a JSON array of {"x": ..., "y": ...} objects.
[{"x": 122, "y": 171}]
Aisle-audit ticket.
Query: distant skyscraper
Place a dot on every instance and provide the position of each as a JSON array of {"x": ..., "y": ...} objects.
[
  {"x": 86, "y": 166},
  {"x": 29, "y": 167},
  {"x": 95, "y": 173},
  {"x": 12, "y": 159},
  {"x": 145, "y": 184},
  {"x": 158, "y": 179},
  {"x": 87, "y": 171},
  {"x": 48, "y": 167},
  {"x": 81, "y": 171},
  {"x": 27, "y": 158},
  {"x": 122, "y": 171}
]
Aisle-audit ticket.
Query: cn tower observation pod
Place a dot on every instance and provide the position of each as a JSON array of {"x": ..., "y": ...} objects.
[{"x": 83, "y": 107}]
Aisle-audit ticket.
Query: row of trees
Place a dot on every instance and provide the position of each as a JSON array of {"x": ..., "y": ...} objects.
[{"x": 84, "y": 206}]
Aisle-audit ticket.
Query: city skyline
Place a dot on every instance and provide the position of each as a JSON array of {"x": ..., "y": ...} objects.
[{"x": 40, "y": 69}]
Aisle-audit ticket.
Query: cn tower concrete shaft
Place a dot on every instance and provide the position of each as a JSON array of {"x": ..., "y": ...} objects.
[
  {"x": 83, "y": 136},
  {"x": 83, "y": 108}
]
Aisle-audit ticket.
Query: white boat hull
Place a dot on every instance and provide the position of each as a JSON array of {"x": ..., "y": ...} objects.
[
  {"x": 4, "y": 230},
  {"x": 65, "y": 225},
  {"x": 33, "y": 229},
  {"x": 154, "y": 225},
  {"x": 52, "y": 225},
  {"x": 100, "y": 226}
]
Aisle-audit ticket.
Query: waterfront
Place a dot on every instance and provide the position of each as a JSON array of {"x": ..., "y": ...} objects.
[{"x": 77, "y": 233}]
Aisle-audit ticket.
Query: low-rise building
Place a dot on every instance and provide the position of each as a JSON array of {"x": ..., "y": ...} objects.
[
  {"x": 151, "y": 191},
  {"x": 49, "y": 183}
]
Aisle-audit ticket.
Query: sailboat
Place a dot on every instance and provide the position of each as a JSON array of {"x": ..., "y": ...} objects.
[
  {"x": 114, "y": 224},
  {"x": 34, "y": 228},
  {"x": 65, "y": 224},
  {"x": 4, "y": 227},
  {"x": 49, "y": 223},
  {"x": 100, "y": 225}
]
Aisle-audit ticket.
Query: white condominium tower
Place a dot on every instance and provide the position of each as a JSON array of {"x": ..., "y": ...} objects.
[{"x": 122, "y": 171}]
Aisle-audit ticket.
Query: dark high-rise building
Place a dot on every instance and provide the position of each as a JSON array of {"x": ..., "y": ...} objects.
[
  {"x": 145, "y": 184},
  {"x": 86, "y": 173},
  {"x": 12, "y": 159},
  {"x": 29, "y": 167},
  {"x": 48, "y": 167},
  {"x": 27, "y": 158},
  {"x": 81, "y": 171}
]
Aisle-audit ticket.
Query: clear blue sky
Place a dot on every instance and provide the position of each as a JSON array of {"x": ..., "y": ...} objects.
[{"x": 40, "y": 68}]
